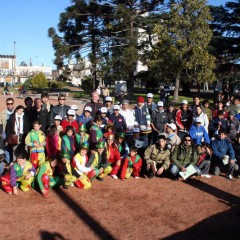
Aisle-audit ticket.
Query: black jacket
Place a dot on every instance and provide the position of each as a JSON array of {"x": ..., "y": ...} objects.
[
  {"x": 11, "y": 124},
  {"x": 42, "y": 116}
]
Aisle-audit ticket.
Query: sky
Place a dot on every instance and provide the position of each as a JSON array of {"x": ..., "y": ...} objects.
[{"x": 26, "y": 23}]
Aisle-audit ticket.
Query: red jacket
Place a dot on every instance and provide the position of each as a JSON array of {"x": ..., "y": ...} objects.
[
  {"x": 66, "y": 122},
  {"x": 113, "y": 155}
]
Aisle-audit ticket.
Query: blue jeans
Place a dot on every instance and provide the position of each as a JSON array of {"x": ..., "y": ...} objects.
[
  {"x": 175, "y": 170},
  {"x": 1, "y": 168},
  {"x": 7, "y": 151}
]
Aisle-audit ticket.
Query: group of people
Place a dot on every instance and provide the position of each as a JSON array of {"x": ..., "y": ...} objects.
[{"x": 47, "y": 146}]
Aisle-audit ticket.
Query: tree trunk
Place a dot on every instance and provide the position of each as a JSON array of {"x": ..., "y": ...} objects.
[{"x": 176, "y": 90}]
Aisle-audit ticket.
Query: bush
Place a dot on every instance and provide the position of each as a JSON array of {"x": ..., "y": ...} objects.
[
  {"x": 27, "y": 83},
  {"x": 39, "y": 81},
  {"x": 55, "y": 84}
]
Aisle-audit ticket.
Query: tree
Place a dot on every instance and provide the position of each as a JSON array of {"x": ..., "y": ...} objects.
[
  {"x": 225, "y": 43},
  {"x": 183, "y": 38},
  {"x": 106, "y": 31},
  {"x": 39, "y": 81}
]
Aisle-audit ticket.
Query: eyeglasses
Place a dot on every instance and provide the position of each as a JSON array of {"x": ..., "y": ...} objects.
[
  {"x": 187, "y": 140},
  {"x": 9, "y": 103}
]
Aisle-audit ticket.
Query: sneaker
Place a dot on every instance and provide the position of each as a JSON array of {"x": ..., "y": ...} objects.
[
  {"x": 114, "y": 176},
  {"x": 136, "y": 177},
  {"x": 205, "y": 175},
  {"x": 150, "y": 175},
  {"x": 99, "y": 179},
  {"x": 229, "y": 177}
]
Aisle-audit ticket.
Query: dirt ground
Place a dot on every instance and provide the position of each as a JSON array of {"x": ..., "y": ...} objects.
[{"x": 157, "y": 208}]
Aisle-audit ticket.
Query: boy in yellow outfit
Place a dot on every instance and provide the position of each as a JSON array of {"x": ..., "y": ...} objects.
[
  {"x": 21, "y": 175},
  {"x": 36, "y": 141}
]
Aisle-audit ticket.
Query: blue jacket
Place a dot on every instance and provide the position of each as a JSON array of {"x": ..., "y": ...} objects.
[
  {"x": 222, "y": 147},
  {"x": 197, "y": 133}
]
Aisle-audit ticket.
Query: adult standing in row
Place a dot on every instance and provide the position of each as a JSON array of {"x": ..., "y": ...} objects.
[
  {"x": 40, "y": 114},
  {"x": 60, "y": 109},
  {"x": 94, "y": 104},
  {"x": 5, "y": 115},
  {"x": 17, "y": 124}
]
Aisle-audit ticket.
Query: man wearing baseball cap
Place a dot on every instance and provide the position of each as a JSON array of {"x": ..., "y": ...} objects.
[
  {"x": 109, "y": 105},
  {"x": 70, "y": 121},
  {"x": 128, "y": 115},
  {"x": 159, "y": 120},
  {"x": 118, "y": 120},
  {"x": 183, "y": 119},
  {"x": 150, "y": 104},
  {"x": 198, "y": 132},
  {"x": 172, "y": 137}
]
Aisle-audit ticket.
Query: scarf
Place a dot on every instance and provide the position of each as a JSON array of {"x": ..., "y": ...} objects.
[
  {"x": 9, "y": 113},
  {"x": 18, "y": 128}
]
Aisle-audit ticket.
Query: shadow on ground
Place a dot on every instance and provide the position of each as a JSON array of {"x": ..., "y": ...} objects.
[{"x": 223, "y": 225}]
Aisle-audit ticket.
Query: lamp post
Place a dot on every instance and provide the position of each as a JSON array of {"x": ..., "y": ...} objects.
[{"x": 14, "y": 62}]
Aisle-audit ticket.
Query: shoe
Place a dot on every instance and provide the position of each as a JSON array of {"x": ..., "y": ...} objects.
[
  {"x": 114, "y": 176},
  {"x": 137, "y": 177},
  {"x": 150, "y": 175},
  {"x": 99, "y": 179},
  {"x": 205, "y": 175},
  {"x": 65, "y": 186},
  {"x": 229, "y": 177}
]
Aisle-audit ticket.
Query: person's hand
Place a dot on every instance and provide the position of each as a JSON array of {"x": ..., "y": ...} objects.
[
  {"x": 183, "y": 169},
  {"x": 36, "y": 145},
  {"x": 27, "y": 177},
  {"x": 160, "y": 171},
  {"x": 6, "y": 143},
  {"x": 15, "y": 191},
  {"x": 119, "y": 162},
  {"x": 232, "y": 161},
  {"x": 45, "y": 193},
  {"x": 101, "y": 170}
]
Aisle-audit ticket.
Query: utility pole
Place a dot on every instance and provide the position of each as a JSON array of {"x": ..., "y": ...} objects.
[{"x": 14, "y": 61}]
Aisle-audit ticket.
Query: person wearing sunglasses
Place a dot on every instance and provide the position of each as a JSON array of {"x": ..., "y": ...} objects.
[
  {"x": 184, "y": 155},
  {"x": 60, "y": 109},
  {"x": 5, "y": 115}
]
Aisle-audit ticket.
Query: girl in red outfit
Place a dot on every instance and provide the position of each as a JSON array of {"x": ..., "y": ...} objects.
[{"x": 113, "y": 156}]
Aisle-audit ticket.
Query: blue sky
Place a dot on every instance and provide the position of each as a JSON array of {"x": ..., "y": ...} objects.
[{"x": 26, "y": 22}]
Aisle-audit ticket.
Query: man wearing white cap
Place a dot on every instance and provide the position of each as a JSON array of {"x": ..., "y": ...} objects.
[
  {"x": 128, "y": 115},
  {"x": 183, "y": 119},
  {"x": 69, "y": 121},
  {"x": 158, "y": 121},
  {"x": 118, "y": 120},
  {"x": 109, "y": 105},
  {"x": 198, "y": 132},
  {"x": 150, "y": 104},
  {"x": 172, "y": 137}
]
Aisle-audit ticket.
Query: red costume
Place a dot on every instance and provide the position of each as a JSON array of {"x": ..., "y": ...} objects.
[
  {"x": 113, "y": 155},
  {"x": 66, "y": 122}
]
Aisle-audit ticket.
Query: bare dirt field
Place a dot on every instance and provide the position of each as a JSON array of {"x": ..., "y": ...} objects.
[{"x": 157, "y": 208}]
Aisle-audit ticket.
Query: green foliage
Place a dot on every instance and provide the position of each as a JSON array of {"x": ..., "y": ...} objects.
[
  {"x": 55, "y": 84},
  {"x": 225, "y": 45},
  {"x": 87, "y": 85},
  {"x": 183, "y": 38},
  {"x": 39, "y": 81},
  {"x": 27, "y": 83}
]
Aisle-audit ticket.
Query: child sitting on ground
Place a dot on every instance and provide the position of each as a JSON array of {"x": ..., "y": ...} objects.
[
  {"x": 21, "y": 175},
  {"x": 132, "y": 164}
]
